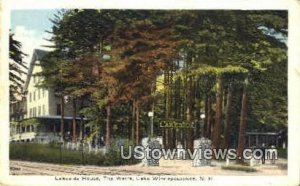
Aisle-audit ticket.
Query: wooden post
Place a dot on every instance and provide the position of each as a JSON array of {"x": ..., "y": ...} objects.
[{"x": 74, "y": 121}]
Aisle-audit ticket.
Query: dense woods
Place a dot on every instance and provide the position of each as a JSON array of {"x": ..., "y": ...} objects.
[{"x": 230, "y": 67}]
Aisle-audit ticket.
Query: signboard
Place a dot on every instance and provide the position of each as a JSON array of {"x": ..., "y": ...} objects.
[{"x": 176, "y": 124}]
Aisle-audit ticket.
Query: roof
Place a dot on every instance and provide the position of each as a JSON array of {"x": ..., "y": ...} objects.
[{"x": 38, "y": 54}]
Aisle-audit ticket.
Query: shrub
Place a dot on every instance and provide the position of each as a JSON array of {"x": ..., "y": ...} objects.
[
  {"x": 282, "y": 153},
  {"x": 113, "y": 157}
]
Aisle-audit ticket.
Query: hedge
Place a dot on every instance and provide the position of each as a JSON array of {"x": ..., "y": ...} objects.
[{"x": 52, "y": 153}]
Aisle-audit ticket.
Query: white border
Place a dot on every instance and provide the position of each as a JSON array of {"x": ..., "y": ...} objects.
[
  {"x": 293, "y": 177},
  {"x": 151, "y": 4}
]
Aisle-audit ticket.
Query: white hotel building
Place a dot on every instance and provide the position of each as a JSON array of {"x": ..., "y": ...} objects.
[{"x": 39, "y": 104}]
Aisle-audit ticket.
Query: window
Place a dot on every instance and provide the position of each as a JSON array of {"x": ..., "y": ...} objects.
[
  {"x": 39, "y": 111},
  {"x": 39, "y": 94},
  {"x": 34, "y": 96},
  {"x": 30, "y": 97},
  {"x": 43, "y": 93},
  {"x": 30, "y": 112},
  {"x": 58, "y": 111},
  {"x": 44, "y": 110}
]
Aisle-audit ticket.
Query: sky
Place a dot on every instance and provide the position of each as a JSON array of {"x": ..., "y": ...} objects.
[{"x": 29, "y": 28}]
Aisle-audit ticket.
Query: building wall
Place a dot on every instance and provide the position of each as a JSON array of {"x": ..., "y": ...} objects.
[
  {"x": 17, "y": 110},
  {"x": 54, "y": 105},
  {"x": 37, "y": 98},
  {"x": 39, "y": 102},
  {"x": 43, "y": 102}
]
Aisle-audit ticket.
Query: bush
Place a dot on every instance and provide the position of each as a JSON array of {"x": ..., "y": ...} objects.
[
  {"x": 113, "y": 157},
  {"x": 52, "y": 153},
  {"x": 282, "y": 153}
]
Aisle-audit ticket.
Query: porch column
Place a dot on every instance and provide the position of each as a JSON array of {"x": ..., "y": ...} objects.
[
  {"x": 249, "y": 138},
  {"x": 256, "y": 140}
]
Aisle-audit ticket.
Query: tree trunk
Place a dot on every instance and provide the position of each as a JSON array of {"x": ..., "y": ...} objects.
[
  {"x": 108, "y": 127},
  {"x": 170, "y": 110},
  {"x": 218, "y": 118},
  {"x": 190, "y": 116},
  {"x": 205, "y": 127},
  {"x": 208, "y": 118},
  {"x": 137, "y": 129},
  {"x": 167, "y": 134},
  {"x": 133, "y": 122},
  {"x": 62, "y": 112},
  {"x": 167, "y": 108},
  {"x": 243, "y": 123},
  {"x": 74, "y": 121},
  {"x": 228, "y": 118},
  {"x": 190, "y": 130}
]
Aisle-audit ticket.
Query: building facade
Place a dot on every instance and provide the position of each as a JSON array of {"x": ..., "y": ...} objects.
[{"x": 41, "y": 116}]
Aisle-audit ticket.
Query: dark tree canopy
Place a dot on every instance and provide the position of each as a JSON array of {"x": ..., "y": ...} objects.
[{"x": 181, "y": 63}]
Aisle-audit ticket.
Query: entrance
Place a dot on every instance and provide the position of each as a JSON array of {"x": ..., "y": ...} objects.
[{"x": 177, "y": 132}]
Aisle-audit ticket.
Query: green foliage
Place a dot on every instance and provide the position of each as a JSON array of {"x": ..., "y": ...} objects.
[
  {"x": 282, "y": 153},
  {"x": 96, "y": 119},
  {"x": 113, "y": 156},
  {"x": 17, "y": 67},
  {"x": 193, "y": 49},
  {"x": 41, "y": 153},
  {"x": 30, "y": 121},
  {"x": 50, "y": 153},
  {"x": 268, "y": 97}
]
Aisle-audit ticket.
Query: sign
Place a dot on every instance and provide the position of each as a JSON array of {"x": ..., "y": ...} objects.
[{"x": 176, "y": 124}]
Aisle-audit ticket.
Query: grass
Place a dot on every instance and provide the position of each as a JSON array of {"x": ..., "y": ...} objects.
[{"x": 239, "y": 168}]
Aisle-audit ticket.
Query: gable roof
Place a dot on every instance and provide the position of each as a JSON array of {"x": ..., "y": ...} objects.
[{"x": 38, "y": 54}]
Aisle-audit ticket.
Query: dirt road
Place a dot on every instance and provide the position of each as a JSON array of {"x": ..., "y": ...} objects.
[{"x": 167, "y": 167}]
